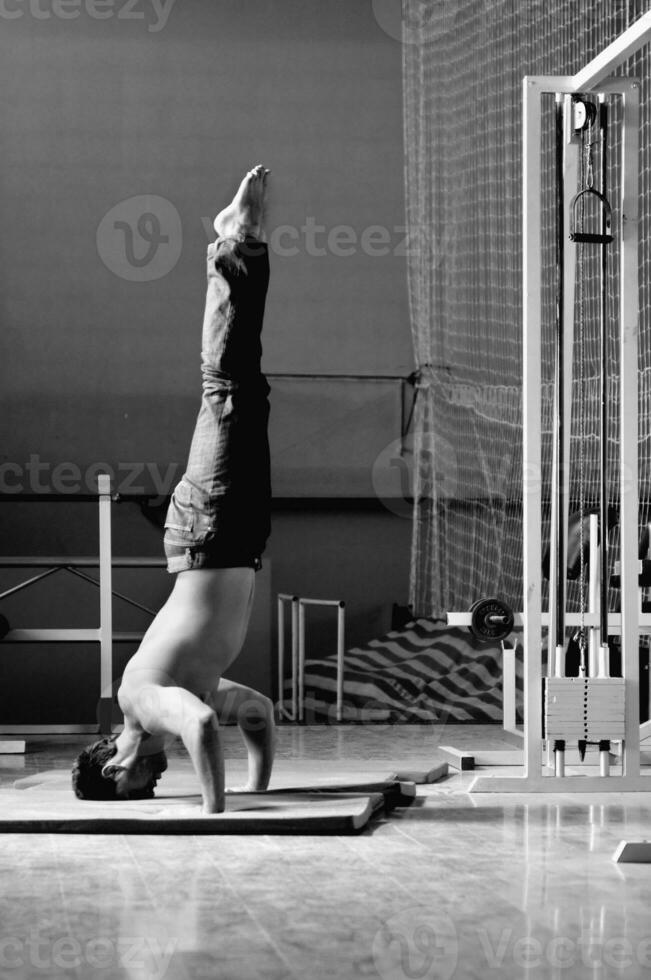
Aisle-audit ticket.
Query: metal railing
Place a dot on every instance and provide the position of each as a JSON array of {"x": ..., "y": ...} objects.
[{"x": 104, "y": 634}]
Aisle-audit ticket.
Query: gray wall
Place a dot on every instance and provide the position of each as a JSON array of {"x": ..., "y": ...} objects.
[
  {"x": 101, "y": 368},
  {"x": 106, "y": 119}
]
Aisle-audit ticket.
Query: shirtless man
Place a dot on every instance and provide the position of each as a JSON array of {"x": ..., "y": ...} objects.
[{"x": 216, "y": 529}]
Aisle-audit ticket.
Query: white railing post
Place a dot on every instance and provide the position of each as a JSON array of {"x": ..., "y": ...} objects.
[{"x": 105, "y": 704}]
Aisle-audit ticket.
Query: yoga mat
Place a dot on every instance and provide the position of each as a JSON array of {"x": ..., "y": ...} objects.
[
  {"x": 48, "y": 810},
  {"x": 304, "y": 797}
]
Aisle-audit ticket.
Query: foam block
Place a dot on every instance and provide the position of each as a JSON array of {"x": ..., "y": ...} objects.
[
  {"x": 14, "y": 746},
  {"x": 633, "y": 852}
]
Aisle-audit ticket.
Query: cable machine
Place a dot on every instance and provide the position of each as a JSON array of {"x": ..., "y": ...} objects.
[
  {"x": 587, "y": 709},
  {"x": 593, "y": 709}
]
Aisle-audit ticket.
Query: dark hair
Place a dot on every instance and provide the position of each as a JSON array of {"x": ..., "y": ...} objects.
[{"x": 88, "y": 782}]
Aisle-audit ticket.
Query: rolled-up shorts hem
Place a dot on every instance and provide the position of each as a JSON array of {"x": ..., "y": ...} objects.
[{"x": 180, "y": 559}]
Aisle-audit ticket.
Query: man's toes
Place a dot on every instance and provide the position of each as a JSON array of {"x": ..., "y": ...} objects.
[{"x": 252, "y": 180}]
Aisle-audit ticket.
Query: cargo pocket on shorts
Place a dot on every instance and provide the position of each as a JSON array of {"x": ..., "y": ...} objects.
[
  {"x": 187, "y": 522},
  {"x": 179, "y": 513}
]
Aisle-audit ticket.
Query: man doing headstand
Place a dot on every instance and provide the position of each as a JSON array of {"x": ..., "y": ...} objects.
[{"x": 216, "y": 529}]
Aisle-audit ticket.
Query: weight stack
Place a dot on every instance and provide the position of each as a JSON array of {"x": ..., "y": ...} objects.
[{"x": 589, "y": 709}]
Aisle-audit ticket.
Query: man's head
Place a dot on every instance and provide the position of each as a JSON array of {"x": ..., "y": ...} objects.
[{"x": 94, "y": 778}]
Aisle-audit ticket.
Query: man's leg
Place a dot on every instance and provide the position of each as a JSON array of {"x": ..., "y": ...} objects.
[
  {"x": 254, "y": 713},
  {"x": 219, "y": 512}
]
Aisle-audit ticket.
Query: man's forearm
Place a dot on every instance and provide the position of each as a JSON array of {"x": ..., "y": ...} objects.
[{"x": 203, "y": 743}]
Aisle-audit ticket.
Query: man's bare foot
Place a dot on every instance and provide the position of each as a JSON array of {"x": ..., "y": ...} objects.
[{"x": 244, "y": 215}]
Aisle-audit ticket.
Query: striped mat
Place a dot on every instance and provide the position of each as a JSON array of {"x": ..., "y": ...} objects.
[{"x": 426, "y": 672}]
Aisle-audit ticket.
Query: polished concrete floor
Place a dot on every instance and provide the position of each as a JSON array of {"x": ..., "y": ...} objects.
[{"x": 453, "y": 886}]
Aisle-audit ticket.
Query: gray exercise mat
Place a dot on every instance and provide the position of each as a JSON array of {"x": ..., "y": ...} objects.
[
  {"x": 305, "y": 796},
  {"x": 48, "y": 810}
]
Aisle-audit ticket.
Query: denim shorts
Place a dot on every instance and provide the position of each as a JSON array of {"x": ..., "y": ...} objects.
[
  {"x": 204, "y": 534},
  {"x": 219, "y": 514}
]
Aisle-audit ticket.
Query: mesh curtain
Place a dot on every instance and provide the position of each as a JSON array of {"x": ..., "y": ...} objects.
[{"x": 463, "y": 64}]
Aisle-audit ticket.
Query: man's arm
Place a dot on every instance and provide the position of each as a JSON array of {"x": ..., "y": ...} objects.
[
  {"x": 175, "y": 711},
  {"x": 253, "y": 712}
]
